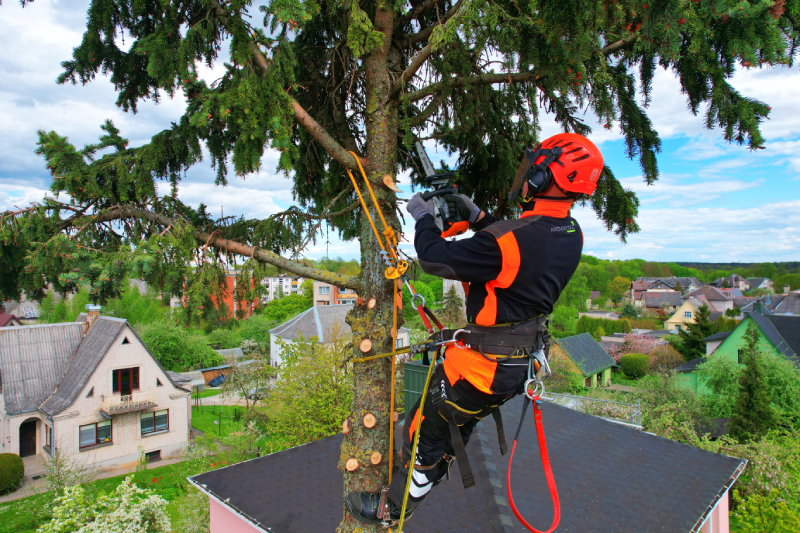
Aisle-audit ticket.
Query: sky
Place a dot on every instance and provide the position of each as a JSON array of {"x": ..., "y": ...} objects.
[{"x": 714, "y": 202}]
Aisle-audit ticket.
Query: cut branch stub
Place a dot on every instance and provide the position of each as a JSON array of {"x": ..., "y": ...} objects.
[
  {"x": 395, "y": 417},
  {"x": 389, "y": 182},
  {"x": 346, "y": 427},
  {"x": 360, "y": 301},
  {"x": 365, "y": 345},
  {"x": 369, "y": 421},
  {"x": 351, "y": 464},
  {"x": 372, "y": 303},
  {"x": 375, "y": 458}
]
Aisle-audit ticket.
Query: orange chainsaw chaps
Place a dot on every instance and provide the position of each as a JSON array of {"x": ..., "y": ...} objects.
[{"x": 457, "y": 228}]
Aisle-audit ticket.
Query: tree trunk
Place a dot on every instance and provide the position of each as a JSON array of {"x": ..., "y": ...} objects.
[{"x": 372, "y": 380}]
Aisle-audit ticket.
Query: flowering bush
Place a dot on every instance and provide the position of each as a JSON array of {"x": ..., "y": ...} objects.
[
  {"x": 633, "y": 344},
  {"x": 128, "y": 509}
]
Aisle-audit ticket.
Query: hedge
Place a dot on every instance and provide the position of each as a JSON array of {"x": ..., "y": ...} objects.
[
  {"x": 587, "y": 324},
  {"x": 11, "y": 472},
  {"x": 635, "y": 365}
]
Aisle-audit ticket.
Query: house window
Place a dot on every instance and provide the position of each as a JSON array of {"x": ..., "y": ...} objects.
[
  {"x": 48, "y": 436},
  {"x": 1, "y": 381},
  {"x": 153, "y": 456},
  {"x": 324, "y": 290},
  {"x": 126, "y": 341},
  {"x": 687, "y": 314},
  {"x": 94, "y": 434},
  {"x": 91, "y": 393},
  {"x": 155, "y": 421},
  {"x": 741, "y": 359},
  {"x": 125, "y": 380},
  {"x": 158, "y": 383}
]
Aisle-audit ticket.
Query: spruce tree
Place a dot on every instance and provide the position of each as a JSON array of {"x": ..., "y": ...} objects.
[
  {"x": 317, "y": 80},
  {"x": 753, "y": 414},
  {"x": 690, "y": 342},
  {"x": 453, "y": 308}
]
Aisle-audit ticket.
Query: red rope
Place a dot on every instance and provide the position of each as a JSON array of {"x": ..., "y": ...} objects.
[{"x": 548, "y": 470}]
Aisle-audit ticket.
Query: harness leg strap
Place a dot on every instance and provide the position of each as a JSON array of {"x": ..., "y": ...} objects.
[
  {"x": 461, "y": 452},
  {"x": 501, "y": 434}
]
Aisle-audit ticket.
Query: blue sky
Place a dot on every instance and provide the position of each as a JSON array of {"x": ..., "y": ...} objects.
[{"x": 715, "y": 202}]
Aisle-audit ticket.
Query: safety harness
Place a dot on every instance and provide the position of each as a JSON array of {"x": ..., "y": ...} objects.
[{"x": 534, "y": 347}]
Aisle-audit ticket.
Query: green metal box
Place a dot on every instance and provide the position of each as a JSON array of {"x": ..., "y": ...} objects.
[{"x": 414, "y": 374}]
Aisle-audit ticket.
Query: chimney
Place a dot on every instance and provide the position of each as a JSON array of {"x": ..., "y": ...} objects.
[
  {"x": 92, "y": 314},
  {"x": 786, "y": 289}
]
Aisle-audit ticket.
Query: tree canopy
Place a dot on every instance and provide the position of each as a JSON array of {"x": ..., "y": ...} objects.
[{"x": 316, "y": 80}]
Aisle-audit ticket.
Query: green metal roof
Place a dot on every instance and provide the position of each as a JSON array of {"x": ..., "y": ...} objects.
[{"x": 590, "y": 357}]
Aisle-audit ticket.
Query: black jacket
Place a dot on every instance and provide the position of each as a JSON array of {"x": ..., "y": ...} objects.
[{"x": 504, "y": 289}]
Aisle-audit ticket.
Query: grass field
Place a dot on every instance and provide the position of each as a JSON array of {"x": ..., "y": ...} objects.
[{"x": 206, "y": 393}]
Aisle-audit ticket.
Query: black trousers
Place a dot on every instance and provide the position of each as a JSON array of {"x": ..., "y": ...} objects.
[{"x": 435, "y": 450}]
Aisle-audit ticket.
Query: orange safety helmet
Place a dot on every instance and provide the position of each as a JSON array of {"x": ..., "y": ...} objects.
[{"x": 569, "y": 160}]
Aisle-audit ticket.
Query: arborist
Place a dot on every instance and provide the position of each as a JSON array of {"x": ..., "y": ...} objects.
[{"x": 514, "y": 271}]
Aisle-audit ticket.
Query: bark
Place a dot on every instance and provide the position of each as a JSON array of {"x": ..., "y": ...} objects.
[{"x": 372, "y": 380}]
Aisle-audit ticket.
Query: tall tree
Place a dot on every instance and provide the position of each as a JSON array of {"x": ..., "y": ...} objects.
[
  {"x": 753, "y": 414},
  {"x": 453, "y": 308},
  {"x": 690, "y": 342},
  {"x": 317, "y": 80}
]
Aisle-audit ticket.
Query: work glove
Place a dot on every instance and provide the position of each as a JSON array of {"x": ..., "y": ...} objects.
[
  {"x": 417, "y": 207},
  {"x": 460, "y": 204}
]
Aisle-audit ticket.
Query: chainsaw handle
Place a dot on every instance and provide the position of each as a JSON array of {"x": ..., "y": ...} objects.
[{"x": 436, "y": 192}]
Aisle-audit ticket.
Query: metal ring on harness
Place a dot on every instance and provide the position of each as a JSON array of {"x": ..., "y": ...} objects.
[
  {"x": 538, "y": 389},
  {"x": 455, "y": 338},
  {"x": 415, "y": 296}
]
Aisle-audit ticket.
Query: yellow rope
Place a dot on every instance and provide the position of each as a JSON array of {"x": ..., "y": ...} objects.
[
  {"x": 391, "y": 394},
  {"x": 413, "y": 458},
  {"x": 364, "y": 206},
  {"x": 387, "y": 230},
  {"x": 381, "y": 355}
]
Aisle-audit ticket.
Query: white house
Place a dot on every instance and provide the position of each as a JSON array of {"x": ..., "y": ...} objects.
[
  {"x": 90, "y": 389},
  {"x": 319, "y": 321}
]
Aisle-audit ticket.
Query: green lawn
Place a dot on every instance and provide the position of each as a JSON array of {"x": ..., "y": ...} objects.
[
  {"x": 619, "y": 378},
  {"x": 203, "y": 418},
  {"x": 169, "y": 482},
  {"x": 206, "y": 393}
]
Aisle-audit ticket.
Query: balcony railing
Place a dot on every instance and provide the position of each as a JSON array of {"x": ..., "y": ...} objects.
[{"x": 138, "y": 401}]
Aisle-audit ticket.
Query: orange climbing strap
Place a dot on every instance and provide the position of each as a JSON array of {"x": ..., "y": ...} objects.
[{"x": 548, "y": 470}]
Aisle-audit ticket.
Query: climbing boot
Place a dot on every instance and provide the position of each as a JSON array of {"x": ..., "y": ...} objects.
[{"x": 374, "y": 508}]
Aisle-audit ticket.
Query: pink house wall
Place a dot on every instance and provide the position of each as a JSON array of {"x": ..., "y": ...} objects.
[
  {"x": 225, "y": 520},
  {"x": 718, "y": 521}
]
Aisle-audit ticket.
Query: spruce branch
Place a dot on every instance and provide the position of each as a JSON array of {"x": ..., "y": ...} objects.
[
  {"x": 425, "y": 34},
  {"x": 120, "y": 213}
]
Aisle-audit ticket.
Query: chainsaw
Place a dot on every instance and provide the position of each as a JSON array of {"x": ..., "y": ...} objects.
[{"x": 448, "y": 220}]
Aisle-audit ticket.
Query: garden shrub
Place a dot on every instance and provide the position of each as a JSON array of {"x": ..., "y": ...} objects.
[
  {"x": 11, "y": 472},
  {"x": 635, "y": 365},
  {"x": 665, "y": 358}
]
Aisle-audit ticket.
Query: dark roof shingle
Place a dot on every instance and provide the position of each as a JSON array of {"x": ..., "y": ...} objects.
[
  {"x": 674, "y": 486},
  {"x": 585, "y": 352}
]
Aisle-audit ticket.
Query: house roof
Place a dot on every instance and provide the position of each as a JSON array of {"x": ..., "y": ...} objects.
[
  {"x": 656, "y": 333},
  {"x": 721, "y": 336},
  {"x": 315, "y": 322},
  {"x": 585, "y": 352},
  {"x": 7, "y": 318},
  {"x": 33, "y": 360},
  {"x": 675, "y": 486},
  {"x": 655, "y": 299},
  {"x": 236, "y": 353},
  {"x": 91, "y": 351},
  {"x": 788, "y": 304},
  {"x": 689, "y": 366},
  {"x": 782, "y": 331},
  {"x": 178, "y": 378},
  {"x": 755, "y": 282},
  {"x": 741, "y": 301},
  {"x": 711, "y": 293},
  {"x": 594, "y": 294}
]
